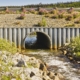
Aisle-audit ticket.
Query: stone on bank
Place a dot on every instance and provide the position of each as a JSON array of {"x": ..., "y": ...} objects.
[{"x": 21, "y": 67}]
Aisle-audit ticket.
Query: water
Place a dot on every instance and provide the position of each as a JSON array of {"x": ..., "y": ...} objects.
[
  {"x": 57, "y": 63},
  {"x": 30, "y": 41}
]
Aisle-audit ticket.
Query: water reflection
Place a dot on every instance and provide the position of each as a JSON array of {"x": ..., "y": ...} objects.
[{"x": 31, "y": 41}]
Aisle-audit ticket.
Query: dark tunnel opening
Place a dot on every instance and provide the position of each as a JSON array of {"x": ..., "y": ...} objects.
[{"x": 38, "y": 41}]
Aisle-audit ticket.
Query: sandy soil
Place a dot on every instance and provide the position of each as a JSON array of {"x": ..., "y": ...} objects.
[{"x": 30, "y": 20}]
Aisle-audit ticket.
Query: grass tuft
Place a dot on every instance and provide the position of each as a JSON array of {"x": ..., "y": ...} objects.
[{"x": 5, "y": 45}]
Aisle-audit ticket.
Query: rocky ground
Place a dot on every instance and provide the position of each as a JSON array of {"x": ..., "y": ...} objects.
[
  {"x": 31, "y": 20},
  {"x": 21, "y": 67}
]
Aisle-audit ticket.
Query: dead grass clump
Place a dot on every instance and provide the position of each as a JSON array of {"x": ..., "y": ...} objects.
[
  {"x": 69, "y": 17},
  {"x": 77, "y": 21},
  {"x": 22, "y": 16},
  {"x": 70, "y": 25}
]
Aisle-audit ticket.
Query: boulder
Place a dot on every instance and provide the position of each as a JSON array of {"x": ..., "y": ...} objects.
[
  {"x": 51, "y": 75},
  {"x": 32, "y": 74},
  {"x": 20, "y": 63}
]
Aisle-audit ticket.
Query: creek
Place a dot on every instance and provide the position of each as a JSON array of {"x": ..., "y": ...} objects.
[{"x": 57, "y": 62}]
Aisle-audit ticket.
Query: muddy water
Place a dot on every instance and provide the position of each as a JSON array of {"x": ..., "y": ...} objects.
[{"x": 57, "y": 63}]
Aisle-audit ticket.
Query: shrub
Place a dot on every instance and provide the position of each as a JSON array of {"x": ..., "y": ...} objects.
[
  {"x": 69, "y": 17},
  {"x": 60, "y": 15},
  {"x": 49, "y": 15},
  {"x": 55, "y": 16},
  {"x": 7, "y": 46},
  {"x": 7, "y": 10},
  {"x": 32, "y": 11},
  {"x": 17, "y": 12},
  {"x": 69, "y": 25},
  {"x": 23, "y": 10},
  {"x": 17, "y": 23},
  {"x": 77, "y": 21},
  {"x": 22, "y": 16},
  {"x": 78, "y": 54},
  {"x": 70, "y": 10},
  {"x": 43, "y": 11},
  {"x": 42, "y": 22},
  {"x": 76, "y": 44},
  {"x": 75, "y": 14},
  {"x": 53, "y": 11}
]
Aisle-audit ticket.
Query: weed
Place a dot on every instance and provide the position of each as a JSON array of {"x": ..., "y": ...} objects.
[
  {"x": 43, "y": 11},
  {"x": 77, "y": 21},
  {"x": 7, "y": 46},
  {"x": 17, "y": 23},
  {"x": 69, "y": 17},
  {"x": 70, "y": 10},
  {"x": 32, "y": 11},
  {"x": 7, "y": 10},
  {"x": 42, "y": 22},
  {"x": 22, "y": 16},
  {"x": 69, "y": 25},
  {"x": 4, "y": 77},
  {"x": 55, "y": 16}
]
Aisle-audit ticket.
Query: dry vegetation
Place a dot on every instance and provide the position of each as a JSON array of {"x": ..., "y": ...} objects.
[{"x": 42, "y": 17}]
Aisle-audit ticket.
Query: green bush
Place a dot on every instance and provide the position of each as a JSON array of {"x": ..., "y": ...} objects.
[
  {"x": 7, "y": 46},
  {"x": 42, "y": 22},
  {"x": 75, "y": 15},
  {"x": 54, "y": 11},
  {"x": 76, "y": 44},
  {"x": 61, "y": 15}
]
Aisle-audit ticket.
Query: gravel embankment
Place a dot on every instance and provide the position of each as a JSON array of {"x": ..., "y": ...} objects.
[{"x": 10, "y": 20}]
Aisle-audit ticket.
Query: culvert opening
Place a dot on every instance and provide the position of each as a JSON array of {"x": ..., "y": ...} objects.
[{"x": 37, "y": 40}]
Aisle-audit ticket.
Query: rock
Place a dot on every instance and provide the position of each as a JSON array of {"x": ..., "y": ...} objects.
[
  {"x": 51, "y": 75},
  {"x": 66, "y": 44},
  {"x": 20, "y": 63},
  {"x": 32, "y": 74},
  {"x": 64, "y": 52},
  {"x": 78, "y": 62},
  {"x": 23, "y": 71},
  {"x": 60, "y": 76},
  {"x": 22, "y": 76},
  {"x": 71, "y": 58},
  {"x": 41, "y": 66},
  {"x": 36, "y": 78},
  {"x": 43, "y": 79},
  {"x": 56, "y": 78},
  {"x": 46, "y": 77},
  {"x": 32, "y": 58}
]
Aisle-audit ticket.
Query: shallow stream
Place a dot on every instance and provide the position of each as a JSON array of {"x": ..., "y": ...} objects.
[{"x": 57, "y": 63}]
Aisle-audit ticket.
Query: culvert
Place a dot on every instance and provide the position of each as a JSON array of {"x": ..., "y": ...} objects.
[{"x": 38, "y": 41}]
